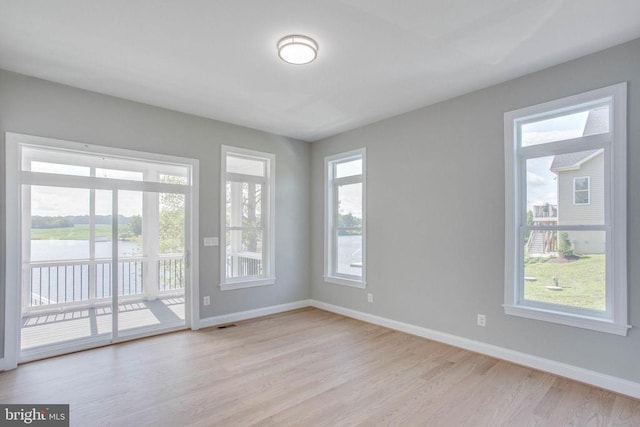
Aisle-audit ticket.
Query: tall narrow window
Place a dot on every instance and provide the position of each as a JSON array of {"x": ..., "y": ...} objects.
[
  {"x": 345, "y": 219},
  {"x": 247, "y": 218},
  {"x": 566, "y": 211}
]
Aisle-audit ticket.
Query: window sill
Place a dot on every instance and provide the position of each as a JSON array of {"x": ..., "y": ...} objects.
[
  {"x": 228, "y": 286},
  {"x": 346, "y": 282},
  {"x": 575, "y": 320}
]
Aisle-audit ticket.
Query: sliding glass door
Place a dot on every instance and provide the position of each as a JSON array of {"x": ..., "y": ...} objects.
[
  {"x": 104, "y": 249},
  {"x": 151, "y": 253},
  {"x": 66, "y": 280}
]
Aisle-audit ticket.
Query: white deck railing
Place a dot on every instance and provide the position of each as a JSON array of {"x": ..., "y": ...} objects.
[
  {"x": 244, "y": 264},
  {"x": 170, "y": 272},
  {"x": 55, "y": 284}
]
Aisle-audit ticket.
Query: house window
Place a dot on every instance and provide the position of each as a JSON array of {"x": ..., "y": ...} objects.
[
  {"x": 581, "y": 190},
  {"x": 247, "y": 220},
  {"x": 566, "y": 211},
  {"x": 345, "y": 245}
]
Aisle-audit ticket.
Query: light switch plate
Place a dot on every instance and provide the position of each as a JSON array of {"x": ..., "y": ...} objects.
[{"x": 211, "y": 241}]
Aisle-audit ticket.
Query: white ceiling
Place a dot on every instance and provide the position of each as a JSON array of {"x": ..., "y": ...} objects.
[{"x": 377, "y": 58}]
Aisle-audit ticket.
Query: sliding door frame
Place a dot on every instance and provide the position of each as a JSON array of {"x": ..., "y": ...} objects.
[{"x": 16, "y": 178}]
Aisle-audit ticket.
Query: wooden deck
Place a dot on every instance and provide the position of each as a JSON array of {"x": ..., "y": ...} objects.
[
  {"x": 307, "y": 368},
  {"x": 39, "y": 330}
]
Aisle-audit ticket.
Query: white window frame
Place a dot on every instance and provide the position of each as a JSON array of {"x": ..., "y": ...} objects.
[
  {"x": 16, "y": 177},
  {"x": 588, "y": 190},
  {"x": 268, "y": 218},
  {"x": 330, "y": 227},
  {"x": 614, "y": 143}
]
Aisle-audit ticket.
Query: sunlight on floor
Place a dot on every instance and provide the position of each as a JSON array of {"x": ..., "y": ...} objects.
[{"x": 40, "y": 330}]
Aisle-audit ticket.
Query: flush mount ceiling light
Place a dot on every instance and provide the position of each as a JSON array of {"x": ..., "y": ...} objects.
[{"x": 297, "y": 50}]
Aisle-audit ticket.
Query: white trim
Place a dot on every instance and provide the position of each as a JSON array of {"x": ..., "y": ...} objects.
[
  {"x": 252, "y": 314},
  {"x": 567, "y": 318},
  {"x": 268, "y": 225},
  {"x": 567, "y": 105},
  {"x": 330, "y": 197},
  {"x": 618, "y": 211},
  {"x": 82, "y": 147},
  {"x": 13, "y": 268},
  {"x": 112, "y": 184},
  {"x": 247, "y": 283},
  {"x": 347, "y": 282},
  {"x": 579, "y": 144},
  {"x": 65, "y": 348},
  {"x": 89, "y": 344},
  {"x": 609, "y": 382},
  {"x": 192, "y": 246},
  {"x": 613, "y": 144},
  {"x": 13, "y": 144},
  {"x": 588, "y": 190}
]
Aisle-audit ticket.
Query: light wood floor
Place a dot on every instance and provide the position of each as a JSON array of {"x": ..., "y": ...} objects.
[{"x": 306, "y": 367}]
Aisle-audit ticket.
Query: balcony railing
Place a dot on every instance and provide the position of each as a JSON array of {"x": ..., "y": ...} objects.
[
  {"x": 244, "y": 264},
  {"x": 63, "y": 283},
  {"x": 171, "y": 273},
  {"x": 545, "y": 211}
]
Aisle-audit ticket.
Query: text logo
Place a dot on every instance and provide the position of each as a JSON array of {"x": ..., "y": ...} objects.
[{"x": 34, "y": 415}]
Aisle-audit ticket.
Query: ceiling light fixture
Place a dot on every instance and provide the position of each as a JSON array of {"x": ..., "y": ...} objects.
[{"x": 297, "y": 50}]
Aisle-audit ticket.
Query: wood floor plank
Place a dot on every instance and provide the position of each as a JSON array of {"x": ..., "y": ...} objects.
[{"x": 306, "y": 367}]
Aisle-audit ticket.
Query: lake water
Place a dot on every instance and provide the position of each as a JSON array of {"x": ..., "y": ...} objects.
[
  {"x": 70, "y": 283},
  {"x": 349, "y": 251},
  {"x": 57, "y": 250}
]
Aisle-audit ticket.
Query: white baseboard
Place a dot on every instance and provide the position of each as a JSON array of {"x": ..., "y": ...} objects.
[
  {"x": 250, "y": 314},
  {"x": 616, "y": 384}
]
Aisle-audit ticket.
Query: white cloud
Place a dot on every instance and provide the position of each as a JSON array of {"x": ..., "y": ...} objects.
[
  {"x": 56, "y": 201},
  {"x": 542, "y": 199},
  {"x": 535, "y": 179}
]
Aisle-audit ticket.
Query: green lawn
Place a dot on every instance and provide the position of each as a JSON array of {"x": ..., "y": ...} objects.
[
  {"x": 582, "y": 281},
  {"x": 78, "y": 232}
]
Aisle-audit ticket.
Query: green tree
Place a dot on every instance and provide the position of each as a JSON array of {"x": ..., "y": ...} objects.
[
  {"x": 349, "y": 221},
  {"x": 135, "y": 225},
  {"x": 51, "y": 221},
  {"x": 171, "y": 219},
  {"x": 252, "y": 214},
  {"x": 565, "y": 248}
]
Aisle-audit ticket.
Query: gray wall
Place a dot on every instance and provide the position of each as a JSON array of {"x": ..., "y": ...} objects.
[
  {"x": 38, "y": 107},
  {"x": 435, "y": 202},
  {"x": 435, "y": 216}
]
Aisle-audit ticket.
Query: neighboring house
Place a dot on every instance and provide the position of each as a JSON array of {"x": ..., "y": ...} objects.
[
  {"x": 580, "y": 196},
  {"x": 581, "y": 188}
]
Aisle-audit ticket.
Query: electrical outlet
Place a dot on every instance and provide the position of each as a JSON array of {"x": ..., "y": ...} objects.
[
  {"x": 369, "y": 297},
  {"x": 206, "y": 300},
  {"x": 482, "y": 320}
]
